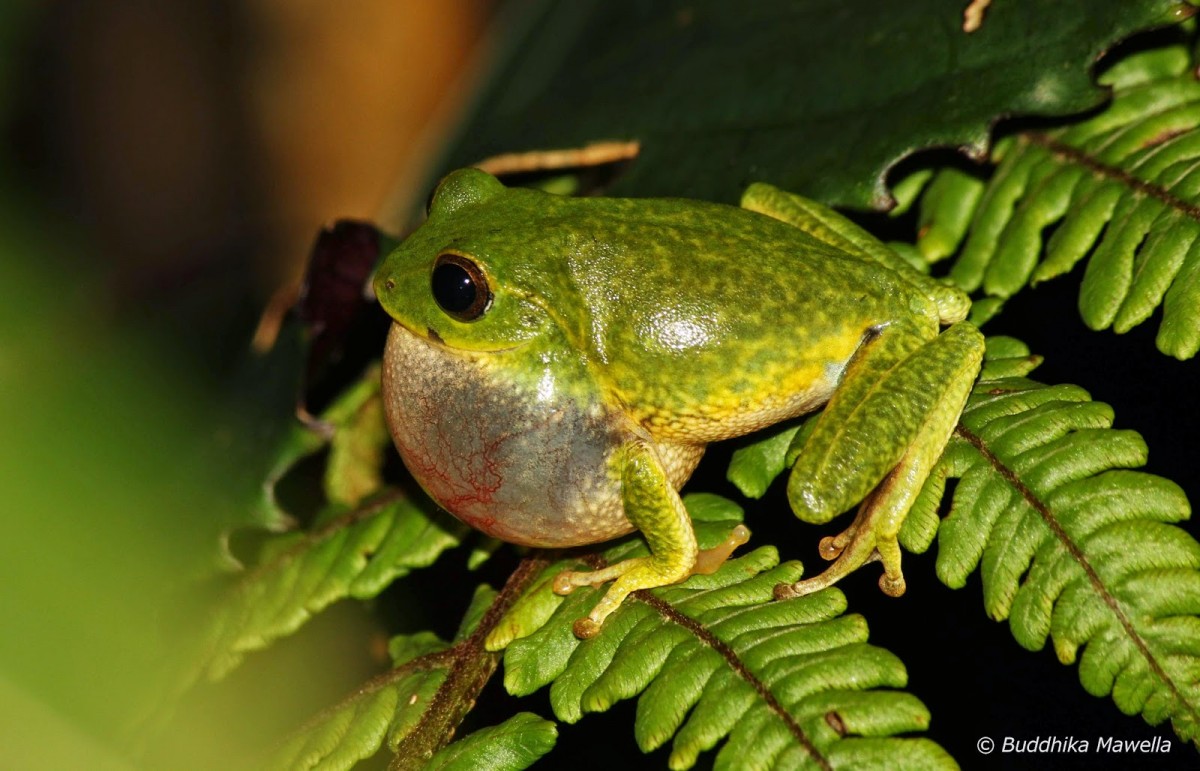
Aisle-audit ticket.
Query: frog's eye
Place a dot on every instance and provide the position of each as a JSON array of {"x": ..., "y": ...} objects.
[{"x": 460, "y": 287}]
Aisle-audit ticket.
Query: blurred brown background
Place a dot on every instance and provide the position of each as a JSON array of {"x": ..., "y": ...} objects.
[{"x": 199, "y": 145}]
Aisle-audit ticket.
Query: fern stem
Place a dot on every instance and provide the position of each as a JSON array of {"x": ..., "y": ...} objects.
[
  {"x": 1081, "y": 158},
  {"x": 1048, "y": 517},
  {"x": 471, "y": 668},
  {"x": 667, "y": 611}
]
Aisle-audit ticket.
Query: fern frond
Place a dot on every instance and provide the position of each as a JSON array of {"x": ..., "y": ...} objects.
[
  {"x": 753, "y": 467},
  {"x": 356, "y": 554},
  {"x": 1074, "y": 545},
  {"x": 347, "y": 553},
  {"x": 785, "y": 684},
  {"x": 511, "y": 746},
  {"x": 1121, "y": 189},
  {"x": 359, "y": 442},
  {"x": 416, "y": 707},
  {"x": 356, "y": 728}
]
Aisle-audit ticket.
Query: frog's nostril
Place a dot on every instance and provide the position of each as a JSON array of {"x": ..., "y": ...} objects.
[{"x": 390, "y": 284}]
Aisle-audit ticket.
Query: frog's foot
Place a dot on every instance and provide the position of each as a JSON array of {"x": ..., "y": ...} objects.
[
  {"x": 709, "y": 560},
  {"x": 640, "y": 573},
  {"x": 890, "y": 420},
  {"x": 868, "y": 539},
  {"x": 631, "y": 574}
]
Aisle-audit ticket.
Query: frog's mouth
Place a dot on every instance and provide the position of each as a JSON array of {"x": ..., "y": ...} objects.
[{"x": 431, "y": 335}]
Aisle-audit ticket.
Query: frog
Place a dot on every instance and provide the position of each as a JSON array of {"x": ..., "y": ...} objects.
[{"x": 556, "y": 367}]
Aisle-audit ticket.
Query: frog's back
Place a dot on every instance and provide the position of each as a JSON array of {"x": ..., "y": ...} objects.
[{"x": 709, "y": 321}]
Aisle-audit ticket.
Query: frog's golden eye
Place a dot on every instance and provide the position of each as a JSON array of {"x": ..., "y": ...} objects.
[{"x": 460, "y": 288}]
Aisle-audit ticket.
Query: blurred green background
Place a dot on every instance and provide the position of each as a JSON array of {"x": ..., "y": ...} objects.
[{"x": 164, "y": 169}]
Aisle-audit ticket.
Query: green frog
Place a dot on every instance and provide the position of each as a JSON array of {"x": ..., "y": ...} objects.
[{"x": 557, "y": 366}]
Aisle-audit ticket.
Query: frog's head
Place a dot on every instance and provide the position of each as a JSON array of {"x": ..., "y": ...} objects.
[{"x": 454, "y": 281}]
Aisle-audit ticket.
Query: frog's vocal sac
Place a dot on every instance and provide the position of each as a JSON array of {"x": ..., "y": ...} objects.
[{"x": 557, "y": 365}]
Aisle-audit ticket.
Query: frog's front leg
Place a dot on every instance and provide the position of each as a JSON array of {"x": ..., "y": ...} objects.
[
  {"x": 653, "y": 506},
  {"x": 880, "y": 435}
]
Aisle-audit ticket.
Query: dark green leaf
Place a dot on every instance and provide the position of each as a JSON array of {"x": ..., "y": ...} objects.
[
  {"x": 819, "y": 98},
  {"x": 1118, "y": 189}
]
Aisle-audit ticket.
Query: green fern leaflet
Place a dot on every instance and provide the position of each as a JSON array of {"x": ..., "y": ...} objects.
[
  {"x": 1121, "y": 189},
  {"x": 789, "y": 684},
  {"x": 1072, "y": 544}
]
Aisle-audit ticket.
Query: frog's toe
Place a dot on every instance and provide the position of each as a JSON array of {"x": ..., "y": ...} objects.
[
  {"x": 631, "y": 575},
  {"x": 828, "y": 578},
  {"x": 841, "y": 568},
  {"x": 785, "y": 591},
  {"x": 831, "y": 547},
  {"x": 892, "y": 586},
  {"x": 564, "y": 583},
  {"x": 849, "y": 550},
  {"x": 585, "y": 628},
  {"x": 570, "y": 580},
  {"x": 808, "y": 585},
  {"x": 710, "y": 560},
  {"x": 887, "y": 550}
]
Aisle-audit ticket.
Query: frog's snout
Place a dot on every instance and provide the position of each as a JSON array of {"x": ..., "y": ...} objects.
[
  {"x": 382, "y": 286},
  {"x": 387, "y": 288}
]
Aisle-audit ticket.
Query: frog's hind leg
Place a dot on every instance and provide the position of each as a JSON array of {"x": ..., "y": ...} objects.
[
  {"x": 654, "y": 507},
  {"x": 913, "y": 407},
  {"x": 820, "y": 222},
  {"x": 826, "y": 225}
]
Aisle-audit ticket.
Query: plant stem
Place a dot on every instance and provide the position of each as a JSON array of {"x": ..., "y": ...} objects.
[{"x": 471, "y": 668}]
